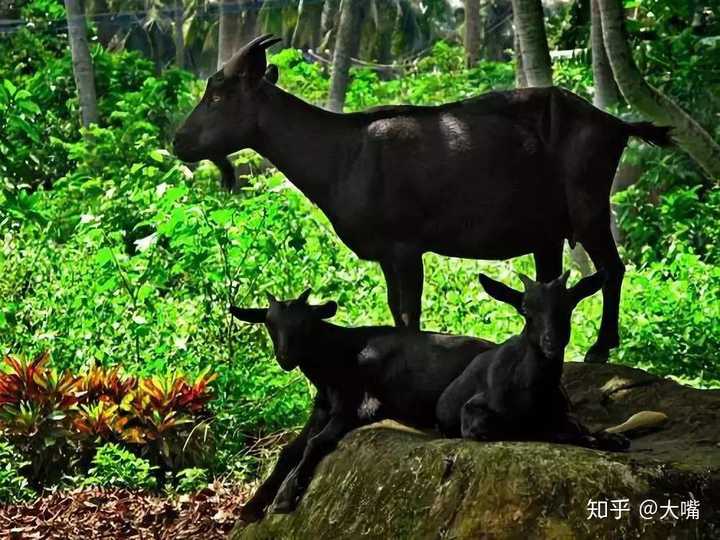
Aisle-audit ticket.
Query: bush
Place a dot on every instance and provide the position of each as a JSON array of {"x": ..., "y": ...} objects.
[
  {"x": 14, "y": 486},
  {"x": 114, "y": 466},
  {"x": 191, "y": 480},
  {"x": 56, "y": 420}
]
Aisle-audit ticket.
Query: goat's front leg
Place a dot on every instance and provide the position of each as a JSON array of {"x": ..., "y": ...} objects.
[
  {"x": 290, "y": 456},
  {"x": 317, "y": 448}
]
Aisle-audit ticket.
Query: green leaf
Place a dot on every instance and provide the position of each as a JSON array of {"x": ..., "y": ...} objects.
[{"x": 103, "y": 256}]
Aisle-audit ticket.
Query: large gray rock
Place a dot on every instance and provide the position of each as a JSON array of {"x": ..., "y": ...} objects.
[{"x": 390, "y": 482}]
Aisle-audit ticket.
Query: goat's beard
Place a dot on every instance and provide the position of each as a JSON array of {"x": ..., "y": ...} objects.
[{"x": 227, "y": 172}]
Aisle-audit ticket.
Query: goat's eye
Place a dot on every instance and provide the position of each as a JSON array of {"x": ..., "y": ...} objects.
[{"x": 215, "y": 98}]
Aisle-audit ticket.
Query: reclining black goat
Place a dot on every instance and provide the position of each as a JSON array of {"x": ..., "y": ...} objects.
[
  {"x": 353, "y": 387},
  {"x": 513, "y": 392}
]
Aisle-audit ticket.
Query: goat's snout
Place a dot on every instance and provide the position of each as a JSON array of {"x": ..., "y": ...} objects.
[{"x": 549, "y": 345}]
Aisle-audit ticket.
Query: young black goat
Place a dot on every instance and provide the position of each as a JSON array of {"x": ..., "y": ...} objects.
[
  {"x": 353, "y": 387},
  {"x": 513, "y": 392}
]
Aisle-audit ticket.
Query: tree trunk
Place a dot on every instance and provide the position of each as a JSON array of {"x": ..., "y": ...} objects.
[
  {"x": 530, "y": 27},
  {"x": 649, "y": 101},
  {"x": 347, "y": 43},
  {"x": 309, "y": 25},
  {"x": 329, "y": 22},
  {"x": 178, "y": 21},
  {"x": 228, "y": 30},
  {"x": 472, "y": 32},
  {"x": 497, "y": 35},
  {"x": 520, "y": 79},
  {"x": 605, "y": 90},
  {"x": 82, "y": 62},
  {"x": 248, "y": 21},
  {"x": 387, "y": 18}
]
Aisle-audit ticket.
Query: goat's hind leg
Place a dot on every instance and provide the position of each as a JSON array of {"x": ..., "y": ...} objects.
[{"x": 403, "y": 270}]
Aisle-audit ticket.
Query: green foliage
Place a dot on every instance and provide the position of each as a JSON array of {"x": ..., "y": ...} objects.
[
  {"x": 57, "y": 419},
  {"x": 191, "y": 480},
  {"x": 114, "y": 253},
  {"x": 114, "y": 466},
  {"x": 14, "y": 486}
]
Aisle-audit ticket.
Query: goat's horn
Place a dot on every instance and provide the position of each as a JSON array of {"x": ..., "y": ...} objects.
[
  {"x": 232, "y": 66},
  {"x": 526, "y": 281}
]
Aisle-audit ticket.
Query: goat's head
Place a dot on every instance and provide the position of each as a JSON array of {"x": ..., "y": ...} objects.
[
  {"x": 226, "y": 118},
  {"x": 547, "y": 307},
  {"x": 289, "y": 323}
]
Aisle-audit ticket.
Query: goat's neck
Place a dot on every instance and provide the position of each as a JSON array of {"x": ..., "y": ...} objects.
[
  {"x": 329, "y": 348},
  {"x": 536, "y": 366},
  {"x": 308, "y": 144}
]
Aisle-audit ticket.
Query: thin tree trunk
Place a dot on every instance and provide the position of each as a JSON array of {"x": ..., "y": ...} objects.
[
  {"x": 530, "y": 27},
  {"x": 307, "y": 32},
  {"x": 605, "y": 90},
  {"x": 329, "y": 22},
  {"x": 228, "y": 30},
  {"x": 178, "y": 21},
  {"x": 520, "y": 79},
  {"x": 472, "y": 32},
  {"x": 248, "y": 23},
  {"x": 649, "y": 101},
  {"x": 347, "y": 44},
  {"x": 386, "y": 23},
  {"x": 82, "y": 62}
]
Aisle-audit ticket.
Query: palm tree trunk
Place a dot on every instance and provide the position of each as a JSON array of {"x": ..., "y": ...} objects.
[
  {"x": 178, "y": 22},
  {"x": 520, "y": 79},
  {"x": 605, "y": 90},
  {"x": 347, "y": 44},
  {"x": 472, "y": 32},
  {"x": 649, "y": 101},
  {"x": 308, "y": 28},
  {"x": 228, "y": 30},
  {"x": 530, "y": 27},
  {"x": 82, "y": 62},
  {"x": 248, "y": 23}
]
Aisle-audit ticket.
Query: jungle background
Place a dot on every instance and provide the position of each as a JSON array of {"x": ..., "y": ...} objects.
[{"x": 122, "y": 366}]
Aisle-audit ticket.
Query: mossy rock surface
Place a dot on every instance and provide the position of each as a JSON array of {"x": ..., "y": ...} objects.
[{"x": 389, "y": 482}]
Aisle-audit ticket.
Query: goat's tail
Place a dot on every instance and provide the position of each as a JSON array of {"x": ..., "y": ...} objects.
[
  {"x": 650, "y": 133},
  {"x": 641, "y": 420}
]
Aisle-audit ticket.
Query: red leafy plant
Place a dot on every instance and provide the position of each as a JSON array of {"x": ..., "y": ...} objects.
[{"x": 57, "y": 420}]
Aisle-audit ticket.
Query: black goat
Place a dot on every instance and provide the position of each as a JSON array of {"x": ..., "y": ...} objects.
[
  {"x": 514, "y": 392},
  {"x": 399, "y": 181},
  {"x": 353, "y": 388}
]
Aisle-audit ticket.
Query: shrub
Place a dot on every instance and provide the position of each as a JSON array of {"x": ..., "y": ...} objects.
[
  {"x": 57, "y": 421},
  {"x": 114, "y": 466},
  {"x": 14, "y": 486},
  {"x": 191, "y": 479}
]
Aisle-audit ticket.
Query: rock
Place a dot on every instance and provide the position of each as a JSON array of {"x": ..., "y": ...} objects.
[{"x": 389, "y": 482}]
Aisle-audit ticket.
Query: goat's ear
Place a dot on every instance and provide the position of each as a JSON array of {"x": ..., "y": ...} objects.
[
  {"x": 500, "y": 291},
  {"x": 325, "y": 311},
  {"x": 251, "y": 315},
  {"x": 303, "y": 298},
  {"x": 587, "y": 286},
  {"x": 272, "y": 74}
]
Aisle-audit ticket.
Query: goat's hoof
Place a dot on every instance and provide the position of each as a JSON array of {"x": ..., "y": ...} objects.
[
  {"x": 612, "y": 442},
  {"x": 251, "y": 514},
  {"x": 284, "y": 507},
  {"x": 597, "y": 356}
]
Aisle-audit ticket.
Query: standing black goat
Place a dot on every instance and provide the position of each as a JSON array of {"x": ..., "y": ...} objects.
[
  {"x": 514, "y": 391},
  {"x": 492, "y": 177},
  {"x": 353, "y": 388}
]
